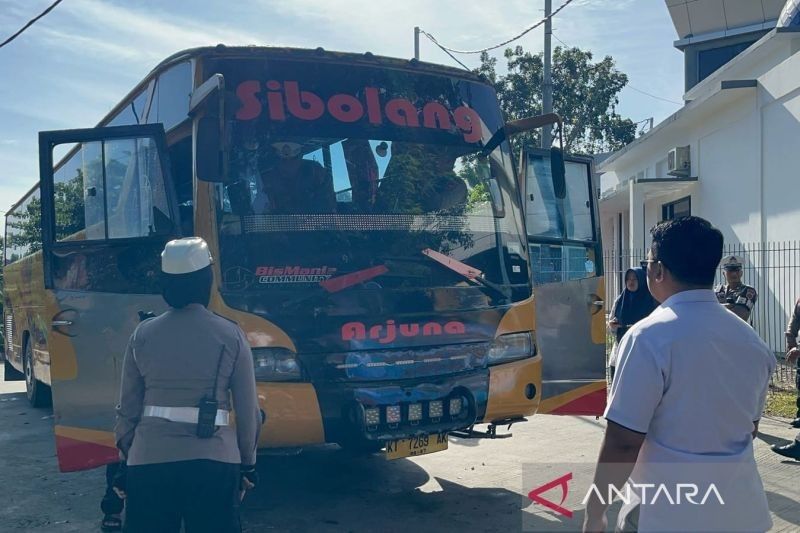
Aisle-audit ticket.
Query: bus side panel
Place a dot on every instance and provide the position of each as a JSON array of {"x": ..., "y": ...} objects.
[
  {"x": 87, "y": 364},
  {"x": 24, "y": 294},
  {"x": 570, "y": 339}
]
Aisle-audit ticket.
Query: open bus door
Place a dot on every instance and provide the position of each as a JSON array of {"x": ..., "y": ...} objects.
[
  {"x": 107, "y": 211},
  {"x": 566, "y": 262}
]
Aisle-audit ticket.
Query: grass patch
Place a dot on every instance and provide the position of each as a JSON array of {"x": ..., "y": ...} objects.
[{"x": 781, "y": 403}]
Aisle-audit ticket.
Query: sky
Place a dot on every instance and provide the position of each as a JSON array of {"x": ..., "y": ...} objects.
[{"x": 72, "y": 66}]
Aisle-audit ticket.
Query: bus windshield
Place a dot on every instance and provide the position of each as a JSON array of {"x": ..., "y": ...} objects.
[{"x": 342, "y": 178}]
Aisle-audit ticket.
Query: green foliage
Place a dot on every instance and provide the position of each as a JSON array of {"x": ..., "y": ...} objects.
[{"x": 585, "y": 94}]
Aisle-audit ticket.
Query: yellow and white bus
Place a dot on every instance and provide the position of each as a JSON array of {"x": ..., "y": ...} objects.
[{"x": 369, "y": 237}]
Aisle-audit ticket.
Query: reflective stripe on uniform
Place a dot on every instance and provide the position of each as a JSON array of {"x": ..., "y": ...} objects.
[{"x": 187, "y": 415}]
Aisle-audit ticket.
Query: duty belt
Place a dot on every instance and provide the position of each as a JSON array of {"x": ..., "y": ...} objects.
[{"x": 184, "y": 414}]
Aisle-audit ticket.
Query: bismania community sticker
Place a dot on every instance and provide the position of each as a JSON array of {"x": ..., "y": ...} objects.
[{"x": 293, "y": 274}]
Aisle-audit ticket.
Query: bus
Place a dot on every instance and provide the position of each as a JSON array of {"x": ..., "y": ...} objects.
[{"x": 369, "y": 238}]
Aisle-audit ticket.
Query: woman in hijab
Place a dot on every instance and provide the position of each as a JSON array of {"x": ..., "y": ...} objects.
[{"x": 632, "y": 305}]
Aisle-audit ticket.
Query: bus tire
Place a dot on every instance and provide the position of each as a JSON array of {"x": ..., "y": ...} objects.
[
  {"x": 11, "y": 373},
  {"x": 38, "y": 393}
]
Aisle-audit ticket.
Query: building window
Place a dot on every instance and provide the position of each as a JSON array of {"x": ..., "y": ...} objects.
[
  {"x": 677, "y": 209},
  {"x": 710, "y": 60}
]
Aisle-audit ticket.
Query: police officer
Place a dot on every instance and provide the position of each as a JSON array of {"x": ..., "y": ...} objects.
[
  {"x": 182, "y": 374},
  {"x": 792, "y": 450},
  {"x": 734, "y": 294}
]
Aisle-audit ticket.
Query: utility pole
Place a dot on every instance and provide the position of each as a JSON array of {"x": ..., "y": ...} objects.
[
  {"x": 547, "y": 82},
  {"x": 416, "y": 43}
]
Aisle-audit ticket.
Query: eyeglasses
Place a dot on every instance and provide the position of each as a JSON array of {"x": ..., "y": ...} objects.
[{"x": 644, "y": 263}]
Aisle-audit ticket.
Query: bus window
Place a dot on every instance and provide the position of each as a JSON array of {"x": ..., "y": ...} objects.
[
  {"x": 111, "y": 190},
  {"x": 541, "y": 204},
  {"x": 552, "y": 263},
  {"x": 578, "y": 206},
  {"x": 78, "y": 195},
  {"x": 133, "y": 113},
  {"x": 171, "y": 96},
  {"x": 23, "y": 228}
]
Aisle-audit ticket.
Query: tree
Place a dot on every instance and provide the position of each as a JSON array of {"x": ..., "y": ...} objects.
[{"x": 585, "y": 94}]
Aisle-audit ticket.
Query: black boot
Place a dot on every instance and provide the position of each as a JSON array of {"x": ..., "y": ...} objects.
[
  {"x": 795, "y": 423},
  {"x": 792, "y": 450}
]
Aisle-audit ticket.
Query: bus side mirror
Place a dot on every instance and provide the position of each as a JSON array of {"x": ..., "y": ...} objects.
[
  {"x": 207, "y": 105},
  {"x": 558, "y": 172},
  {"x": 209, "y": 155}
]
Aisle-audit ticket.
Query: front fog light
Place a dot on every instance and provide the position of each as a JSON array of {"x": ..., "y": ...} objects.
[
  {"x": 415, "y": 412},
  {"x": 455, "y": 406},
  {"x": 393, "y": 414},
  {"x": 435, "y": 409},
  {"x": 372, "y": 416}
]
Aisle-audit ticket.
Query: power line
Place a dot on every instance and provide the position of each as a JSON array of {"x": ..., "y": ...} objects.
[
  {"x": 653, "y": 95},
  {"x": 528, "y": 29},
  {"x": 31, "y": 23},
  {"x": 451, "y": 55}
]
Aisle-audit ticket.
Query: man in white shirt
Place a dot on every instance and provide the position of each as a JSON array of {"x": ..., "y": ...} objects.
[{"x": 685, "y": 403}]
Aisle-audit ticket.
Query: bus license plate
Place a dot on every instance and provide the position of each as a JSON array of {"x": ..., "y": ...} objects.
[{"x": 419, "y": 445}]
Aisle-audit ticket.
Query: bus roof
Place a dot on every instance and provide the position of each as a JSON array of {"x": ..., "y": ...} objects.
[{"x": 316, "y": 54}]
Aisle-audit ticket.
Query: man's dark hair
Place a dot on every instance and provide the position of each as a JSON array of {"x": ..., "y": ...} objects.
[
  {"x": 690, "y": 247},
  {"x": 180, "y": 290}
]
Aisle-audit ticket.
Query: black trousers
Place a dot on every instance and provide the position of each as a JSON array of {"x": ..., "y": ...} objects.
[
  {"x": 797, "y": 385},
  {"x": 202, "y": 494},
  {"x": 111, "y": 503}
]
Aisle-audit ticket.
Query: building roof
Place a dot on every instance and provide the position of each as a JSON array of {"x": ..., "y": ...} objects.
[{"x": 700, "y": 20}]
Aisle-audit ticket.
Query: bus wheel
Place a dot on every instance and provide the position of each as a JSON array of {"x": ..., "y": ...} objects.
[{"x": 38, "y": 393}]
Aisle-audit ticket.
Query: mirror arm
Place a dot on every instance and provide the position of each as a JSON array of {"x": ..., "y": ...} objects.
[{"x": 215, "y": 83}]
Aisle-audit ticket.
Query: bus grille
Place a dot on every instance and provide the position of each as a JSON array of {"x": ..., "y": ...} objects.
[{"x": 409, "y": 363}]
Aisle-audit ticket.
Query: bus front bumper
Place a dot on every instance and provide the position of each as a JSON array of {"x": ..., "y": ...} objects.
[{"x": 304, "y": 414}]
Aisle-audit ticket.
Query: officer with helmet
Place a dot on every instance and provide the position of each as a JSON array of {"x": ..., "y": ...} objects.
[
  {"x": 734, "y": 294},
  {"x": 183, "y": 373}
]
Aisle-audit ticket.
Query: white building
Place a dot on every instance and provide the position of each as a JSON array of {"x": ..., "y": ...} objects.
[{"x": 734, "y": 144}]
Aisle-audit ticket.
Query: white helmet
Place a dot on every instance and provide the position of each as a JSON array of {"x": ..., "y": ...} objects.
[{"x": 184, "y": 256}]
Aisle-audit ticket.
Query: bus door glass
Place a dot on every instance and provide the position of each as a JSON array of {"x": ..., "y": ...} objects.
[
  {"x": 565, "y": 253},
  {"x": 107, "y": 211}
]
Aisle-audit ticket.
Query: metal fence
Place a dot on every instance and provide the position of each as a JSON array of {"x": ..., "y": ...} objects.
[{"x": 772, "y": 268}]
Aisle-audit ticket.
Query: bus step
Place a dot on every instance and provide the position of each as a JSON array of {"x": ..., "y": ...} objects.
[{"x": 491, "y": 430}]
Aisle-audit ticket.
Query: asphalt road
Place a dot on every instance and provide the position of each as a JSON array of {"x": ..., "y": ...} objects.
[{"x": 474, "y": 486}]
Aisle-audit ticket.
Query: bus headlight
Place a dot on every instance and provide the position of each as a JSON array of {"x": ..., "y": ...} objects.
[
  {"x": 275, "y": 364},
  {"x": 511, "y": 347}
]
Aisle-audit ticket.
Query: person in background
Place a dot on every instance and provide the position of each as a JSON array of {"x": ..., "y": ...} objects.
[
  {"x": 632, "y": 305},
  {"x": 792, "y": 450},
  {"x": 733, "y": 294}
]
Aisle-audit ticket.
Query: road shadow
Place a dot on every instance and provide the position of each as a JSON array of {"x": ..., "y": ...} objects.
[
  {"x": 327, "y": 489},
  {"x": 785, "y": 508},
  {"x": 772, "y": 439}
]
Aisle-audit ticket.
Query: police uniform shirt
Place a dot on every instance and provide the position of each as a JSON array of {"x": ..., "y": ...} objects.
[
  {"x": 171, "y": 361},
  {"x": 742, "y": 295},
  {"x": 693, "y": 378}
]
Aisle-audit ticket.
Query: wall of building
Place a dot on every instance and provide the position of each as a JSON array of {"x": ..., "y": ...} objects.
[{"x": 779, "y": 96}]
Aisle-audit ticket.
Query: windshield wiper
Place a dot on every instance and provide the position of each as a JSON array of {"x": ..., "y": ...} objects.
[
  {"x": 339, "y": 283},
  {"x": 352, "y": 278},
  {"x": 463, "y": 269}
]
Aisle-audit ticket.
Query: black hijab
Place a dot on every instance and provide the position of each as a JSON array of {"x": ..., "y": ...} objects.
[{"x": 632, "y": 306}]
